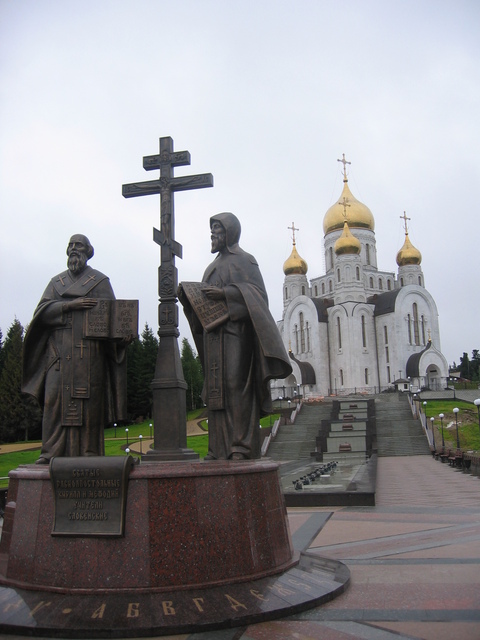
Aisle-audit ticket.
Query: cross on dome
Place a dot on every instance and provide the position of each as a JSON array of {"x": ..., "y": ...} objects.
[{"x": 344, "y": 162}]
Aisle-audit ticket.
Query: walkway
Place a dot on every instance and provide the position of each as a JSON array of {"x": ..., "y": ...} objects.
[{"x": 414, "y": 560}]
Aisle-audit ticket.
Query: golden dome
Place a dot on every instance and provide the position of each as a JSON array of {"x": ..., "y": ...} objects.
[
  {"x": 295, "y": 264},
  {"x": 347, "y": 243},
  {"x": 408, "y": 254},
  {"x": 358, "y": 215}
]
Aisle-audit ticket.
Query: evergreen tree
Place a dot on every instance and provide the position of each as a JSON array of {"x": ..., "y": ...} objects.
[
  {"x": 465, "y": 366},
  {"x": 141, "y": 360},
  {"x": 192, "y": 372},
  {"x": 20, "y": 416},
  {"x": 475, "y": 365},
  {"x": 2, "y": 353}
]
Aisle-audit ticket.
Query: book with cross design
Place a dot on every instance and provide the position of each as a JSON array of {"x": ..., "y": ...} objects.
[
  {"x": 211, "y": 313},
  {"x": 111, "y": 319}
]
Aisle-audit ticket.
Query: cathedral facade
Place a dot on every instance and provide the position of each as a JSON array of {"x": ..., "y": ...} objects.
[{"x": 358, "y": 329}]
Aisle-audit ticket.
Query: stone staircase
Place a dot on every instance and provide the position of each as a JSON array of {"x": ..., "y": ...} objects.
[
  {"x": 398, "y": 433},
  {"x": 297, "y": 441}
]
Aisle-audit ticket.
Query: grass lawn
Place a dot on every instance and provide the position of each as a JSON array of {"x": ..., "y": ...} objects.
[
  {"x": 467, "y": 420},
  {"x": 116, "y": 443}
]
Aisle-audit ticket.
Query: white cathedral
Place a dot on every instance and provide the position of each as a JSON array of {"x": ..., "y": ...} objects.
[{"x": 357, "y": 329}]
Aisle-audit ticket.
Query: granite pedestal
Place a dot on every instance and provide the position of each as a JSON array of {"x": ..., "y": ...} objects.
[{"x": 206, "y": 545}]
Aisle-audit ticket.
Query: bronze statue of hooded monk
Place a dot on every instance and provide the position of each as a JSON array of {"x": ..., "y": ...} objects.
[{"x": 242, "y": 354}]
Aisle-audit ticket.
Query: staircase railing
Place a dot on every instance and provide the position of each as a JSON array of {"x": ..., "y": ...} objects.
[{"x": 276, "y": 427}]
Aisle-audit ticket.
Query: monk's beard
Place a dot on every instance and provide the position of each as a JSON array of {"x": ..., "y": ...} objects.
[{"x": 76, "y": 262}]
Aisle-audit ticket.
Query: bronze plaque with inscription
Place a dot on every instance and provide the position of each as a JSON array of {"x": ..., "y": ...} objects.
[{"x": 90, "y": 495}]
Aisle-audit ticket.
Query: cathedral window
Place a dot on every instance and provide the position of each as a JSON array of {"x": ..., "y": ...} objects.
[
  {"x": 366, "y": 376},
  {"x": 387, "y": 355},
  {"x": 388, "y": 375},
  {"x": 295, "y": 331},
  {"x": 385, "y": 333},
  {"x": 364, "y": 335},
  {"x": 367, "y": 253},
  {"x": 401, "y": 282},
  {"x": 409, "y": 323},
  {"x": 415, "y": 324},
  {"x": 371, "y": 283},
  {"x": 423, "y": 329},
  {"x": 330, "y": 253},
  {"x": 420, "y": 280},
  {"x": 339, "y": 333},
  {"x": 380, "y": 284},
  {"x": 338, "y": 275},
  {"x": 285, "y": 293},
  {"x": 357, "y": 272},
  {"x": 316, "y": 290},
  {"x": 330, "y": 286},
  {"x": 389, "y": 285},
  {"x": 303, "y": 289},
  {"x": 307, "y": 331},
  {"x": 302, "y": 333},
  {"x": 341, "y": 377},
  {"x": 323, "y": 288}
]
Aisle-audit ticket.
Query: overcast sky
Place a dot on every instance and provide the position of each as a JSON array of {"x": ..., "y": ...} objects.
[{"x": 265, "y": 95}]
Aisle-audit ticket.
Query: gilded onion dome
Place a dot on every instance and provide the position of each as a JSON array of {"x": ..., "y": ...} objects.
[
  {"x": 359, "y": 215},
  {"x": 347, "y": 243},
  {"x": 408, "y": 254},
  {"x": 295, "y": 264}
]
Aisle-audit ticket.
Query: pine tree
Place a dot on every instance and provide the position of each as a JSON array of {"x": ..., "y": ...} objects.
[
  {"x": 141, "y": 360},
  {"x": 20, "y": 417},
  {"x": 192, "y": 372}
]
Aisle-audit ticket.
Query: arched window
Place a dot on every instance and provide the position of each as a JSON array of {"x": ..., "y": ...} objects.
[
  {"x": 302, "y": 333},
  {"x": 285, "y": 293},
  {"x": 409, "y": 322},
  {"x": 380, "y": 284},
  {"x": 366, "y": 376},
  {"x": 367, "y": 253},
  {"x": 341, "y": 377},
  {"x": 357, "y": 273},
  {"x": 295, "y": 331},
  {"x": 385, "y": 333},
  {"x": 330, "y": 254},
  {"x": 401, "y": 282},
  {"x": 316, "y": 291},
  {"x": 387, "y": 355},
  {"x": 364, "y": 335},
  {"x": 330, "y": 286},
  {"x": 339, "y": 332},
  {"x": 323, "y": 288},
  {"x": 371, "y": 283},
  {"x": 303, "y": 289},
  {"x": 338, "y": 275},
  {"x": 307, "y": 331},
  {"x": 420, "y": 280},
  {"x": 388, "y": 375},
  {"x": 389, "y": 285},
  {"x": 415, "y": 324},
  {"x": 423, "y": 329}
]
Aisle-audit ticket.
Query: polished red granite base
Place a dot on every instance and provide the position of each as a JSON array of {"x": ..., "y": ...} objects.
[
  {"x": 188, "y": 524},
  {"x": 206, "y": 546}
]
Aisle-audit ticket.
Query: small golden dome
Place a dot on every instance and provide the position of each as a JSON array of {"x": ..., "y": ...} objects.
[
  {"x": 295, "y": 265},
  {"x": 358, "y": 215},
  {"x": 347, "y": 243},
  {"x": 408, "y": 254}
]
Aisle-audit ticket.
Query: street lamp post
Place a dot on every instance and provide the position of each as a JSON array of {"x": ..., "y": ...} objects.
[
  {"x": 432, "y": 419},
  {"x": 477, "y": 404},
  {"x": 126, "y": 431},
  {"x": 441, "y": 416},
  {"x": 141, "y": 438},
  {"x": 455, "y": 411}
]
